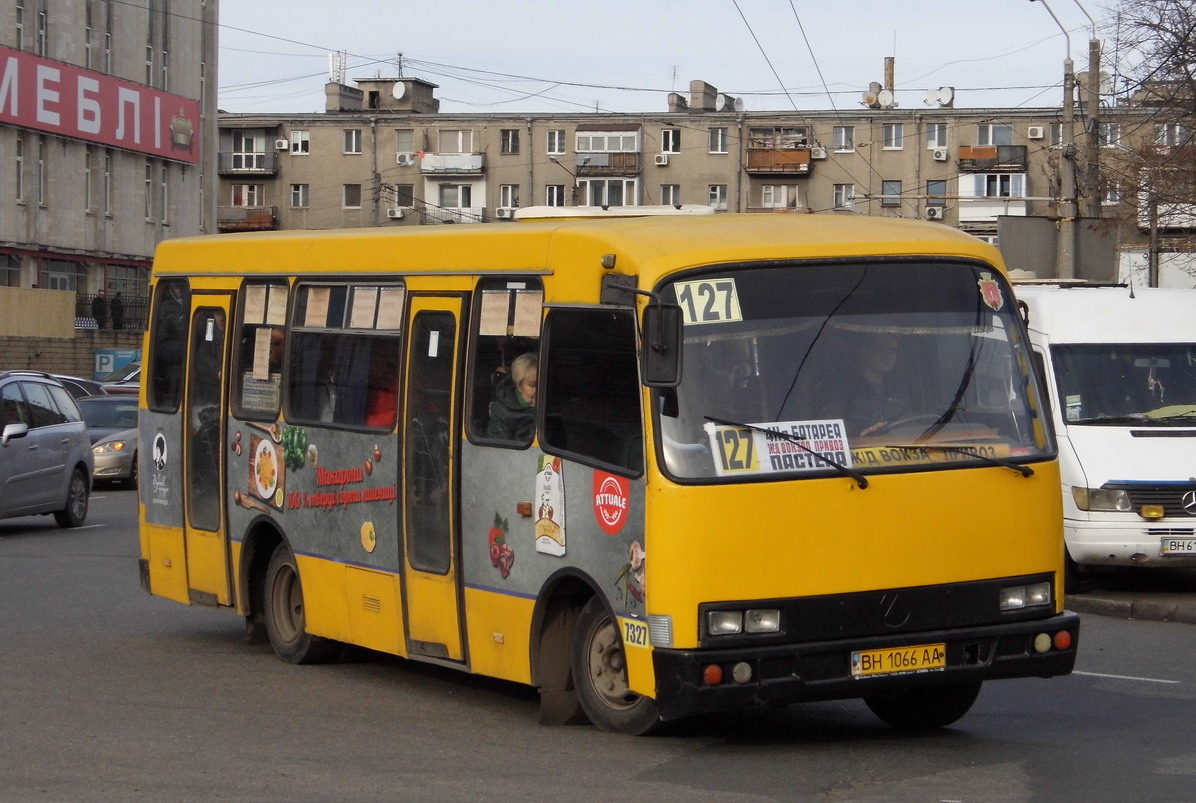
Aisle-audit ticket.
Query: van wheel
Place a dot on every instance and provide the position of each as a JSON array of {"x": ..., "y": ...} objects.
[
  {"x": 75, "y": 512},
  {"x": 286, "y": 620},
  {"x": 925, "y": 707},
  {"x": 600, "y": 675}
]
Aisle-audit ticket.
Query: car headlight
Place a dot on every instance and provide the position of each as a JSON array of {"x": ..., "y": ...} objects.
[
  {"x": 1100, "y": 499},
  {"x": 108, "y": 447},
  {"x": 1028, "y": 596},
  {"x": 761, "y": 620}
]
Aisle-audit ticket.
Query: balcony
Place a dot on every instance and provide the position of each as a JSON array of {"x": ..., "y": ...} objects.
[
  {"x": 607, "y": 164},
  {"x": 231, "y": 163},
  {"x": 453, "y": 164},
  {"x": 246, "y": 218},
  {"x": 768, "y": 161},
  {"x": 461, "y": 214},
  {"x": 992, "y": 158}
]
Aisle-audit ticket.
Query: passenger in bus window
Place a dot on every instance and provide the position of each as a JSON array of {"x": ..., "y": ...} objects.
[
  {"x": 513, "y": 410},
  {"x": 867, "y": 395}
]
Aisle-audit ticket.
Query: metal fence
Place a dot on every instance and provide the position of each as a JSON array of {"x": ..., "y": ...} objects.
[{"x": 93, "y": 311}]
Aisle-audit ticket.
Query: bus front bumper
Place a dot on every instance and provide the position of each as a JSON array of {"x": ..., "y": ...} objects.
[{"x": 783, "y": 674}]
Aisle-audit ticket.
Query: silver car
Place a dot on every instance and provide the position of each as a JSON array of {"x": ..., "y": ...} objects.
[
  {"x": 116, "y": 458},
  {"x": 46, "y": 464}
]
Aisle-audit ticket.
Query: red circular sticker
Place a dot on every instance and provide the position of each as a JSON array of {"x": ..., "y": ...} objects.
[{"x": 612, "y": 496}]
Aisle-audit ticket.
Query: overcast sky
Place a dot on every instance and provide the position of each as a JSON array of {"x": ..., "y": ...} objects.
[{"x": 627, "y": 55}]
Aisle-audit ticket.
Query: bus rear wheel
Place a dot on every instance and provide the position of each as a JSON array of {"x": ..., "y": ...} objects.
[
  {"x": 286, "y": 621},
  {"x": 925, "y": 707},
  {"x": 600, "y": 675}
]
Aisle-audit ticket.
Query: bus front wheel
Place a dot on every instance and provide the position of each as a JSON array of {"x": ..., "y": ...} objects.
[
  {"x": 925, "y": 707},
  {"x": 600, "y": 675},
  {"x": 286, "y": 621}
]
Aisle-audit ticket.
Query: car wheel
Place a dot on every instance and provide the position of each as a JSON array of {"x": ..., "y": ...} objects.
[{"x": 75, "y": 512}]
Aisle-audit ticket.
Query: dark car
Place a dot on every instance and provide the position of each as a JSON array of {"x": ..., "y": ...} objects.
[
  {"x": 46, "y": 463},
  {"x": 126, "y": 380},
  {"x": 106, "y": 415}
]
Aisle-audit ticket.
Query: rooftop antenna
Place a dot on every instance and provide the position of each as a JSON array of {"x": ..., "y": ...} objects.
[
  {"x": 336, "y": 66},
  {"x": 399, "y": 63}
]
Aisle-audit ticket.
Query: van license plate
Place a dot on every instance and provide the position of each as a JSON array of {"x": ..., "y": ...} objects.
[
  {"x": 1178, "y": 546},
  {"x": 922, "y": 658}
]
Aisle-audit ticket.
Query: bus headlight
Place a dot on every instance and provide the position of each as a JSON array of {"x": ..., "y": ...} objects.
[
  {"x": 761, "y": 620},
  {"x": 1100, "y": 499},
  {"x": 1017, "y": 597}
]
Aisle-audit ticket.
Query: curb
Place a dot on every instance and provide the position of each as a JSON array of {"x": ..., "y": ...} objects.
[{"x": 1145, "y": 609}]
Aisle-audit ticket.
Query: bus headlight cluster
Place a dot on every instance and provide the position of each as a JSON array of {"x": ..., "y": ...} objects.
[
  {"x": 1017, "y": 597},
  {"x": 1100, "y": 499},
  {"x": 756, "y": 620}
]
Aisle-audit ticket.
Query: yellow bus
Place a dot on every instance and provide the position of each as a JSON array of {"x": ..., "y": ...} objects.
[{"x": 652, "y": 466}]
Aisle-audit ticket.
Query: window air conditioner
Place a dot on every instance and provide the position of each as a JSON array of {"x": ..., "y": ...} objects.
[
  {"x": 405, "y": 159},
  {"x": 940, "y": 154},
  {"x": 395, "y": 213},
  {"x": 281, "y": 144},
  {"x": 1035, "y": 132},
  {"x": 662, "y": 160},
  {"x": 934, "y": 212},
  {"x": 817, "y": 153},
  {"x": 504, "y": 213}
]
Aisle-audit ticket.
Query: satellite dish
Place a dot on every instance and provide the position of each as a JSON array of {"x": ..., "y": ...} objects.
[
  {"x": 738, "y": 104},
  {"x": 720, "y": 102},
  {"x": 398, "y": 90},
  {"x": 946, "y": 95},
  {"x": 885, "y": 98}
]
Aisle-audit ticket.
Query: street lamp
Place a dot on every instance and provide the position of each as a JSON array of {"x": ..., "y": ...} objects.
[
  {"x": 1065, "y": 258},
  {"x": 585, "y": 160}
]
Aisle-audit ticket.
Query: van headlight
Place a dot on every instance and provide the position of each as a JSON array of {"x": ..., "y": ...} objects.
[
  {"x": 1101, "y": 499},
  {"x": 756, "y": 620}
]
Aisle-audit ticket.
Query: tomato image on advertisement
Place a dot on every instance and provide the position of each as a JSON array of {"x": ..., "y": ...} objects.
[{"x": 502, "y": 555}]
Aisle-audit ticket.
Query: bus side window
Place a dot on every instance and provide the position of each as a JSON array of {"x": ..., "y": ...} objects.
[
  {"x": 344, "y": 379},
  {"x": 168, "y": 339},
  {"x": 506, "y": 324}
]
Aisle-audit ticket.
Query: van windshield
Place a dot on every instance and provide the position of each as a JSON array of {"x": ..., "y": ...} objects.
[
  {"x": 1110, "y": 384},
  {"x": 874, "y": 366}
]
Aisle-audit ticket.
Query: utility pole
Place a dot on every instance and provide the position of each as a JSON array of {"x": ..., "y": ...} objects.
[{"x": 1065, "y": 256}]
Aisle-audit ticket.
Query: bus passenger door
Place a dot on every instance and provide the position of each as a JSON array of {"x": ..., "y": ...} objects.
[
  {"x": 205, "y": 533},
  {"x": 430, "y": 452}
]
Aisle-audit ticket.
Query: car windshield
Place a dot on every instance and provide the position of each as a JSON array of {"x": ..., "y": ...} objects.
[
  {"x": 1110, "y": 384},
  {"x": 109, "y": 413},
  {"x": 130, "y": 371},
  {"x": 873, "y": 366}
]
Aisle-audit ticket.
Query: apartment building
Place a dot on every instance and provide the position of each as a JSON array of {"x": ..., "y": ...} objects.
[{"x": 107, "y": 128}]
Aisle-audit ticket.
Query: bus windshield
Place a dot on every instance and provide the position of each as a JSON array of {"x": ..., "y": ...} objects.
[
  {"x": 1141, "y": 384},
  {"x": 868, "y": 366}
]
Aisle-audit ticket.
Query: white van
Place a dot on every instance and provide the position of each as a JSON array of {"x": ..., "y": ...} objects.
[{"x": 1119, "y": 364}]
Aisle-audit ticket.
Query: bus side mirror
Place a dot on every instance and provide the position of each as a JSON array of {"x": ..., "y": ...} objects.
[{"x": 661, "y": 357}]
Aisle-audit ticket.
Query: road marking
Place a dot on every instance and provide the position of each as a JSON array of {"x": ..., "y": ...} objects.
[
  {"x": 1123, "y": 677},
  {"x": 88, "y": 526}
]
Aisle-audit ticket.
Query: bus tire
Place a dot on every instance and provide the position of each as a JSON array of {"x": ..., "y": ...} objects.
[
  {"x": 75, "y": 512},
  {"x": 600, "y": 675},
  {"x": 286, "y": 622},
  {"x": 925, "y": 707}
]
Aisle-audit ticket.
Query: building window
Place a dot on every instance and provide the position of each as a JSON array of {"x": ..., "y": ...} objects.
[
  {"x": 20, "y": 37},
  {"x": 716, "y": 195},
  {"x": 1000, "y": 185},
  {"x": 936, "y": 135},
  {"x": 894, "y": 136},
  {"x": 456, "y": 141},
  {"x": 670, "y": 140},
  {"x": 719, "y": 142},
  {"x": 509, "y": 141},
  {"x": 149, "y": 189},
  {"x": 1056, "y": 135},
  {"x": 300, "y": 143},
  {"x": 1109, "y": 135},
  {"x": 164, "y": 183},
  {"x": 456, "y": 196},
  {"x": 994, "y": 134},
  {"x": 108, "y": 51},
  {"x": 843, "y": 138},
  {"x": 1171, "y": 134},
  {"x": 300, "y": 198},
  {"x": 670, "y": 194},
  {"x": 778, "y": 138},
  {"x": 247, "y": 194},
  {"x": 87, "y": 40},
  {"x": 88, "y": 178},
  {"x": 20, "y": 157},
  {"x": 404, "y": 194},
  {"x": 890, "y": 192},
  {"x": 508, "y": 195},
  {"x": 936, "y": 193},
  {"x": 10, "y": 271},
  {"x": 352, "y": 140},
  {"x": 554, "y": 195},
  {"x": 249, "y": 150},
  {"x": 42, "y": 44},
  {"x": 106, "y": 187},
  {"x": 607, "y": 192},
  {"x": 41, "y": 170},
  {"x": 404, "y": 140},
  {"x": 165, "y": 71},
  {"x": 778, "y": 196},
  {"x": 1110, "y": 192},
  {"x": 608, "y": 142},
  {"x": 556, "y": 141},
  {"x": 351, "y": 198},
  {"x": 149, "y": 65},
  {"x": 844, "y": 197}
]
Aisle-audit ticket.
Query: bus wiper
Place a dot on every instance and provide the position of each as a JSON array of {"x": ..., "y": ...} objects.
[
  {"x": 859, "y": 478},
  {"x": 1020, "y": 468}
]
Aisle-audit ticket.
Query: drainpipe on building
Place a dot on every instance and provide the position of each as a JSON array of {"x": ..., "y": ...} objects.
[
  {"x": 741, "y": 167},
  {"x": 377, "y": 177},
  {"x": 531, "y": 163}
]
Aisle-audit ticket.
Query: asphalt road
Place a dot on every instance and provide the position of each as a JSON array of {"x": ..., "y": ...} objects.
[{"x": 109, "y": 694}]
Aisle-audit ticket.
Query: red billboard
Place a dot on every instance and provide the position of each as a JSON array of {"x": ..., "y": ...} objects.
[{"x": 70, "y": 101}]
